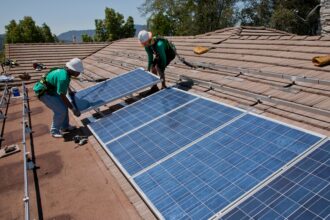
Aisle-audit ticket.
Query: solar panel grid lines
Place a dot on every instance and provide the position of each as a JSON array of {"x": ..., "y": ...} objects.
[
  {"x": 139, "y": 113},
  {"x": 229, "y": 185},
  {"x": 184, "y": 147},
  {"x": 115, "y": 88},
  {"x": 164, "y": 136},
  {"x": 203, "y": 157},
  {"x": 148, "y": 122},
  {"x": 288, "y": 191}
]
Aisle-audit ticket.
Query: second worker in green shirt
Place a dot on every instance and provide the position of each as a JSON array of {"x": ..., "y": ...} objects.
[{"x": 160, "y": 53}]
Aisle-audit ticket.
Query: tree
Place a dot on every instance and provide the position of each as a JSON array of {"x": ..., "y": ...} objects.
[
  {"x": 186, "y": 17},
  {"x": 47, "y": 34},
  {"x": 113, "y": 24},
  {"x": 295, "y": 16},
  {"x": 257, "y": 12},
  {"x": 214, "y": 14},
  {"x": 160, "y": 24},
  {"x": 13, "y": 34},
  {"x": 26, "y": 31},
  {"x": 128, "y": 28},
  {"x": 302, "y": 19},
  {"x": 113, "y": 27},
  {"x": 30, "y": 32},
  {"x": 86, "y": 38},
  {"x": 100, "y": 34}
]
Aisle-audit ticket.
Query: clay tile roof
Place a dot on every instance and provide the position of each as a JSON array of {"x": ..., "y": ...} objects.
[
  {"x": 49, "y": 54},
  {"x": 263, "y": 70},
  {"x": 255, "y": 60}
]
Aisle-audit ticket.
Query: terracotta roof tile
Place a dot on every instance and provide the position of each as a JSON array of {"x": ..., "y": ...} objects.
[
  {"x": 286, "y": 37},
  {"x": 299, "y": 37},
  {"x": 253, "y": 50}
]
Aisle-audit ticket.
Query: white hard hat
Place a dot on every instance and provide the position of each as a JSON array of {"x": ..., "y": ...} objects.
[
  {"x": 75, "y": 64},
  {"x": 144, "y": 36}
]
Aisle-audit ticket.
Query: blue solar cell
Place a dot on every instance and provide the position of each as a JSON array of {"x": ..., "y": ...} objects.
[
  {"x": 114, "y": 88},
  {"x": 202, "y": 179},
  {"x": 235, "y": 169},
  {"x": 139, "y": 113},
  {"x": 164, "y": 136},
  {"x": 302, "y": 192}
]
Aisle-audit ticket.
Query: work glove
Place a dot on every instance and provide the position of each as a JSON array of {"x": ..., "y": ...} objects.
[{"x": 76, "y": 112}]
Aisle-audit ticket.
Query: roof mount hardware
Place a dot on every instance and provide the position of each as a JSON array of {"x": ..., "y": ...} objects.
[
  {"x": 9, "y": 150},
  {"x": 261, "y": 97},
  {"x": 99, "y": 112},
  {"x": 256, "y": 103},
  {"x": 210, "y": 87},
  {"x": 2, "y": 116},
  {"x": 293, "y": 82},
  {"x": 290, "y": 84},
  {"x": 239, "y": 74}
]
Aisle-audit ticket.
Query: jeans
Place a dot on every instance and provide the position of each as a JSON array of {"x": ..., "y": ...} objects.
[{"x": 60, "y": 110}]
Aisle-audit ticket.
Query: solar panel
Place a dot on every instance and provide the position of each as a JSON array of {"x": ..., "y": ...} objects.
[
  {"x": 301, "y": 192},
  {"x": 203, "y": 179},
  {"x": 158, "y": 139},
  {"x": 115, "y": 88},
  {"x": 139, "y": 113},
  {"x": 190, "y": 157}
]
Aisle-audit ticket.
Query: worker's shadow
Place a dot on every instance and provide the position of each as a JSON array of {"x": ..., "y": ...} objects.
[
  {"x": 185, "y": 85},
  {"x": 79, "y": 131}
]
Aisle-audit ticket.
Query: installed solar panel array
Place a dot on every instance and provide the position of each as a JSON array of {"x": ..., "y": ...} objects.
[
  {"x": 190, "y": 157},
  {"x": 302, "y": 192},
  {"x": 115, "y": 88}
]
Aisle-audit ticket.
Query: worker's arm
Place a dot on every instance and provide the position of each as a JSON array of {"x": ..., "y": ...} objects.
[
  {"x": 150, "y": 57},
  {"x": 66, "y": 101},
  {"x": 162, "y": 54}
]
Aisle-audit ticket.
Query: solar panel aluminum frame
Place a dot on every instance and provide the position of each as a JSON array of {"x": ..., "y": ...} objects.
[
  {"x": 244, "y": 112},
  {"x": 122, "y": 169},
  {"x": 122, "y": 95},
  {"x": 221, "y": 214},
  {"x": 280, "y": 171},
  {"x": 118, "y": 164},
  {"x": 128, "y": 176},
  {"x": 242, "y": 198}
]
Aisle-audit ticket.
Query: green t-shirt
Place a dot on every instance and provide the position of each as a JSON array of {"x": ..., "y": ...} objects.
[
  {"x": 59, "y": 80},
  {"x": 160, "y": 48}
]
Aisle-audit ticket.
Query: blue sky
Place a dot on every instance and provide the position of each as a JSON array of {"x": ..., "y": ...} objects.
[{"x": 65, "y": 15}]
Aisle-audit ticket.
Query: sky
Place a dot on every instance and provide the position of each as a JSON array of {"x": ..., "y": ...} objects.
[{"x": 66, "y": 15}]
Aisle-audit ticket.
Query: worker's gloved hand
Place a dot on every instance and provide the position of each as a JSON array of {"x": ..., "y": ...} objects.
[{"x": 76, "y": 112}]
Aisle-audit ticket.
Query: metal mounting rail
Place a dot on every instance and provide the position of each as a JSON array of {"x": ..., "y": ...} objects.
[
  {"x": 3, "y": 110},
  {"x": 4, "y": 99},
  {"x": 25, "y": 127},
  {"x": 247, "y": 71},
  {"x": 214, "y": 86}
]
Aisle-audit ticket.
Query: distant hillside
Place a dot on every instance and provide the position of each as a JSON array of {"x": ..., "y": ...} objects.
[{"x": 68, "y": 36}]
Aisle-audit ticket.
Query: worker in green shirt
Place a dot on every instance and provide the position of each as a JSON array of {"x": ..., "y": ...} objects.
[
  {"x": 52, "y": 90},
  {"x": 160, "y": 53}
]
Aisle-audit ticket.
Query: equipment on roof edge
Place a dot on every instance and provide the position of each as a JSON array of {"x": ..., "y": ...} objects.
[
  {"x": 38, "y": 66},
  {"x": 321, "y": 60},
  {"x": 24, "y": 76},
  {"x": 200, "y": 50}
]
